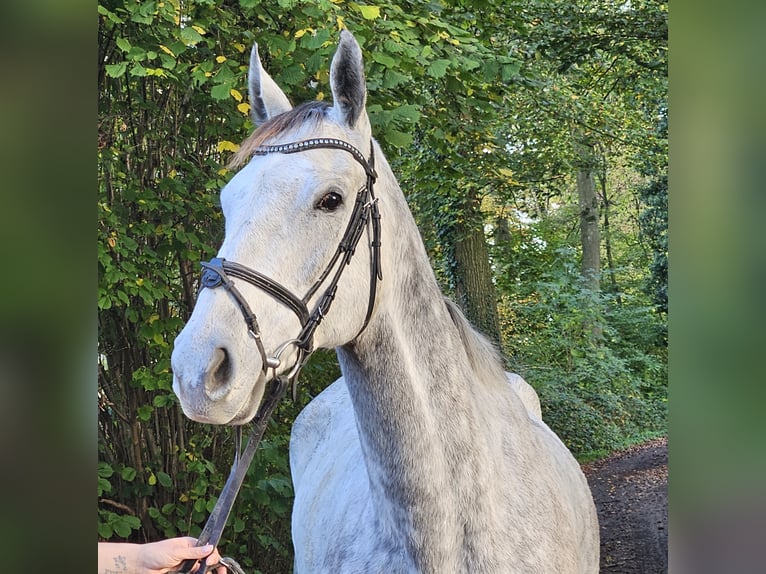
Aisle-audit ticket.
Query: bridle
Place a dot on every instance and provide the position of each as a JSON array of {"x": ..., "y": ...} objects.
[{"x": 218, "y": 272}]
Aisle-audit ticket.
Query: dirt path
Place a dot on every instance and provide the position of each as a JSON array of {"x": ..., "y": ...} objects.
[{"x": 630, "y": 489}]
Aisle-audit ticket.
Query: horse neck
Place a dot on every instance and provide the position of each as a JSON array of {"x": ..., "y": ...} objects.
[{"x": 419, "y": 408}]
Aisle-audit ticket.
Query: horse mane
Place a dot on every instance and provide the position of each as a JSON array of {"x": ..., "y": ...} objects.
[
  {"x": 483, "y": 355},
  {"x": 312, "y": 111}
]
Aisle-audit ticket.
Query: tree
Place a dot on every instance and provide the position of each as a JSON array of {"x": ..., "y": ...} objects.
[
  {"x": 589, "y": 90},
  {"x": 597, "y": 69},
  {"x": 590, "y": 235}
]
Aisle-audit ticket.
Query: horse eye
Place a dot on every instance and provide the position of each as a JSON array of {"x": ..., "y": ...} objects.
[{"x": 330, "y": 201}]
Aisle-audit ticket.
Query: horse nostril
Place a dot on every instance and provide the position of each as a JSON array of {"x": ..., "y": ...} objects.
[{"x": 221, "y": 369}]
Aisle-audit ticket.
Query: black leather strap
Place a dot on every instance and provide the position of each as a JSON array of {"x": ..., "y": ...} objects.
[{"x": 216, "y": 522}]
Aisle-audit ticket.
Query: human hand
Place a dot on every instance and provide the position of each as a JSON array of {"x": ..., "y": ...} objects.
[{"x": 167, "y": 555}]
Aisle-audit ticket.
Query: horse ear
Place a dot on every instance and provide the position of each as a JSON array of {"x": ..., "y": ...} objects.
[
  {"x": 347, "y": 80},
  {"x": 266, "y": 98}
]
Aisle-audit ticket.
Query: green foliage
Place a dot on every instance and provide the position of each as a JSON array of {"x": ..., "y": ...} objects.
[
  {"x": 654, "y": 223},
  {"x": 653, "y": 219},
  {"x": 595, "y": 395}
]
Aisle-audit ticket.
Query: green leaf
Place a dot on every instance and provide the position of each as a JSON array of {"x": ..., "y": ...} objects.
[
  {"x": 220, "y": 91},
  {"x": 392, "y": 78},
  {"x": 168, "y": 62},
  {"x": 490, "y": 70},
  {"x": 162, "y": 401},
  {"x": 141, "y": 18},
  {"x": 190, "y": 36},
  {"x": 133, "y": 521},
  {"x": 239, "y": 524},
  {"x": 116, "y": 70},
  {"x": 438, "y": 68},
  {"x": 145, "y": 412},
  {"x": 123, "y": 44},
  {"x": 292, "y": 75},
  {"x": 122, "y": 296},
  {"x": 138, "y": 70},
  {"x": 164, "y": 479},
  {"x": 128, "y": 473},
  {"x": 510, "y": 71},
  {"x": 137, "y": 54},
  {"x": 125, "y": 525},
  {"x": 105, "y": 469},
  {"x": 407, "y": 112},
  {"x": 111, "y": 16},
  {"x": 397, "y": 138},
  {"x": 179, "y": 48},
  {"x": 370, "y": 12},
  {"x": 469, "y": 64},
  {"x": 315, "y": 41},
  {"x": 384, "y": 59},
  {"x": 104, "y": 486}
]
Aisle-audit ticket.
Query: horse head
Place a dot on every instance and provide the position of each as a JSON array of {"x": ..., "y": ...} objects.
[{"x": 290, "y": 214}]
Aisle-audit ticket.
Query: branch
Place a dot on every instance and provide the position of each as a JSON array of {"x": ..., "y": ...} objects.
[{"x": 118, "y": 505}]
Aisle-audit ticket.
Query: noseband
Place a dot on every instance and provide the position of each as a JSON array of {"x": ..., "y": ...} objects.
[{"x": 219, "y": 272}]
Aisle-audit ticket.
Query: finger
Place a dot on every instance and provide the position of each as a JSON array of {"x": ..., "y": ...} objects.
[{"x": 200, "y": 551}]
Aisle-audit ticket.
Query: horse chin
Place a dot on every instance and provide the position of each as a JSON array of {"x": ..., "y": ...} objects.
[
  {"x": 249, "y": 407},
  {"x": 226, "y": 411},
  {"x": 246, "y": 413}
]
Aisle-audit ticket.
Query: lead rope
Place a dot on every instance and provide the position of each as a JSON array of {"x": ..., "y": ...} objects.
[{"x": 211, "y": 533}]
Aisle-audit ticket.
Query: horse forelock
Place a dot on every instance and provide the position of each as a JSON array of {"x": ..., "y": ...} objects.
[{"x": 308, "y": 113}]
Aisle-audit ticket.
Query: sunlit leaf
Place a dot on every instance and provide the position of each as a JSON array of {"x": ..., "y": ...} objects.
[
  {"x": 370, "y": 12},
  {"x": 190, "y": 36},
  {"x": 226, "y": 145}
]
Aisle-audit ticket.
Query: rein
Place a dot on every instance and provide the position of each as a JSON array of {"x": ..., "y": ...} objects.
[{"x": 218, "y": 272}]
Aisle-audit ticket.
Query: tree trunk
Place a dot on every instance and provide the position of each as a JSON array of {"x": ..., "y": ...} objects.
[
  {"x": 590, "y": 236},
  {"x": 472, "y": 275},
  {"x": 608, "y": 239}
]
